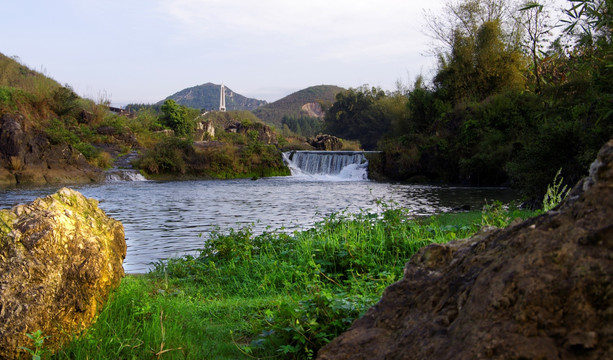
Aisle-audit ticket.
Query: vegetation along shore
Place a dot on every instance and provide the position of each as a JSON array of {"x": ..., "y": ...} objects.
[{"x": 269, "y": 295}]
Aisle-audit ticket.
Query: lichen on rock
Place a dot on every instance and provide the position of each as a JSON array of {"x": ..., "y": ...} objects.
[
  {"x": 59, "y": 257},
  {"x": 541, "y": 289}
]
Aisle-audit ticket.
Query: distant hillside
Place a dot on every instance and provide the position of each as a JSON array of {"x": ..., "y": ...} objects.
[
  {"x": 312, "y": 102},
  {"x": 206, "y": 96}
]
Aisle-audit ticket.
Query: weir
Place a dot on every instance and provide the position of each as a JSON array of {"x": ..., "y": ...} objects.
[
  {"x": 123, "y": 175},
  {"x": 331, "y": 165}
]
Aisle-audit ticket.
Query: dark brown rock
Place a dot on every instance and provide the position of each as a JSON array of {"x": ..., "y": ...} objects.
[
  {"x": 11, "y": 134},
  {"x": 59, "y": 258},
  {"x": 85, "y": 117},
  {"x": 28, "y": 157},
  {"x": 326, "y": 142},
  {"x": 542, "y": 289}
]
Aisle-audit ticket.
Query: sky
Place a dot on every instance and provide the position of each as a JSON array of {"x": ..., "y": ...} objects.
[{"x": 141, "y": 51}]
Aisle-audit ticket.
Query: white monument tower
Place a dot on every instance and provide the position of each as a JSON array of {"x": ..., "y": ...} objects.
[{"x": 222, "y": 99}]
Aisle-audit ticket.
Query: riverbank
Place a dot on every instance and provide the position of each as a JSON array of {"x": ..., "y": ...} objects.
[{"x": 273, "y": 294}]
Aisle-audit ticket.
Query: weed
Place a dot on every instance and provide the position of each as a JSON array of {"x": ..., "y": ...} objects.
[
  {"x": 38, "y": 342},
  {"x": 555, "y": 192},
  {"x": 495, "y": 214}
]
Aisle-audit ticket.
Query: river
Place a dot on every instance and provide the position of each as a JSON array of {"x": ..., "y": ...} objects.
[{"x": 172, "y": 218}]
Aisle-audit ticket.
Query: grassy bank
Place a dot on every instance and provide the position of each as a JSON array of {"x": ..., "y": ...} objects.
[{"x": 269, "y": 295}]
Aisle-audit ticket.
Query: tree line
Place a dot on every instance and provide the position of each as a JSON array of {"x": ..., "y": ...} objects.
[{"x": 510, "y": 103}]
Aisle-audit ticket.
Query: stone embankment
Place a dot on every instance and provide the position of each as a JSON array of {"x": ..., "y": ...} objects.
[
  {"x": 541, "y": 289},
  {"x": 59, "y": 258}
]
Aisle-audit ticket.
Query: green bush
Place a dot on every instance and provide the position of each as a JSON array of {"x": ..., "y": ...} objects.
[
  {"x": 59, "y": 134},
  {"x": 64, "y": 101},
  {"x": 168, "y": 156}
]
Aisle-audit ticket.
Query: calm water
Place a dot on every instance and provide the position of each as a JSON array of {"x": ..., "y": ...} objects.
[{"x": 164, "y": 219}]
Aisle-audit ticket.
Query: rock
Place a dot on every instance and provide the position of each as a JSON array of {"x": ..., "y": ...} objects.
[
  {"x": 541, "y": 289},
  {"x": 6, "y": 178},
  {"x": 59, "y": 258},
  {"x": 204, "y": 131},
  {"x": 313, "y": 109},
  {"x": 265, "y": 133},
  {"x": 27, "y": 157},
  {"x": 165, "y": 132},
  {"x": 106, "y": 130},
  {"x": 326, "y": 142},
  {"x": 85, "y": 117},
  {"x": 464, "y": 207},
  {"x": 11, "y": 134}
]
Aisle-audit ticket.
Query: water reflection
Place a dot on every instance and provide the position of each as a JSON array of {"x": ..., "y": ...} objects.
[{"x": 164, "y": 219}]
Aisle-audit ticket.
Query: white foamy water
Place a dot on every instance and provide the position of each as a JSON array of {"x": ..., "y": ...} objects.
[
  {"x": 327, "y": 165},
  {"x": 123, "y": 175}
]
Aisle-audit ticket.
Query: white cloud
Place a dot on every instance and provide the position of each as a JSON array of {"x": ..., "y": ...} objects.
[{"x": 333, "y": 30}]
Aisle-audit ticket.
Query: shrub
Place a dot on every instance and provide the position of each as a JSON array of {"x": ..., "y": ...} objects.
[{"x": 167, "y": 156}]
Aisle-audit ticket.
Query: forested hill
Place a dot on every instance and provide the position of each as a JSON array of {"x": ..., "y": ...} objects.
[
  {"x": 206, "y": 96},
  {"x": 311, "y": 102}
]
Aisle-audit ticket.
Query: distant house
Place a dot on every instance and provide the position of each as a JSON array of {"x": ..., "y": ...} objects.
[{"x": 121, "y": 112}]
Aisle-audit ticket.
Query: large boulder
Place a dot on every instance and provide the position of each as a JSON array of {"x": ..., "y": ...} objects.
[
  {"x": 59, "y": 258},
  {"x": 11, "y": 134},
  {"x": 542, "y": 289},
  {"x": 326, "y": 142}
]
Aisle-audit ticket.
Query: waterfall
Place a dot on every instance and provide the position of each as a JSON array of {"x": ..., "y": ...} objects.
[
  {"x": 123, "y": 175},
  {"x": 123, "y": 170},
  {"x": 328, "y": 165}
]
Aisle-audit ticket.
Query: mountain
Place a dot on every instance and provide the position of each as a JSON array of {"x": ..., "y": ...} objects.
[
  {"x": 206, "y": 96},
  {"x": 312, "y": 102}
]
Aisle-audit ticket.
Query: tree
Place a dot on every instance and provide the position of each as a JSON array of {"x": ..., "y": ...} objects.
[
  {"x": 175, "y": 117},
  {"x": 464, "y": 18},
  {"x": 479, "y": 66},
  {"x": 358, "y": 114},
  {"x": 591, "y": 21},
  {"x": 537, "y": 27},
  {"x": 498, "y": 67}
]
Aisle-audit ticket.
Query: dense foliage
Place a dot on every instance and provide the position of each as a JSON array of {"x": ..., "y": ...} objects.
[
  {"x": 359, "y": 114},
  {"x": 506, "y": 106},
  {"x": 242, "y": 154},
  {"x": 302, "y": 125}
]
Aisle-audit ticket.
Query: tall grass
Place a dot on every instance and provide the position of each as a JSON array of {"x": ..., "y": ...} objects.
[{"x": 269, "y": 295}]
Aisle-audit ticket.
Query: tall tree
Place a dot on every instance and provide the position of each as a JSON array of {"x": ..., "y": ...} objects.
[
  {"x": 465, "y": 17},
  {"x": 175, "y": 117},
  {"x": 535, "y": 20},
  {"x": 358, "y": 114},
  {"x": 479, "y": 66}
]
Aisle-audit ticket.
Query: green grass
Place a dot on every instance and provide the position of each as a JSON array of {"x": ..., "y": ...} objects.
[{"x": 270, "y": 295}]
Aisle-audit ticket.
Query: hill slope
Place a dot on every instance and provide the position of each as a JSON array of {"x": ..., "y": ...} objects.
[
  {"x": 206, "y": 96},
  {"x": 312, "y": 101}
]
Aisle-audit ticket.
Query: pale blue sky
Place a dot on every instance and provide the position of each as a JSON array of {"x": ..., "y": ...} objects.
[{"x": 134, "y": 51}]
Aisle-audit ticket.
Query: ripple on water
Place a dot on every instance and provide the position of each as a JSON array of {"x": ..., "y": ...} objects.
[{"x": 165, "y": 219}]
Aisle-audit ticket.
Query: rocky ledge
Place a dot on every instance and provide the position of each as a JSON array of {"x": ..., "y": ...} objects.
[
  {"x": 59, "y": 258},
  {"x": 542, "y": 289},
  {"x": 27, "y": 157}
]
